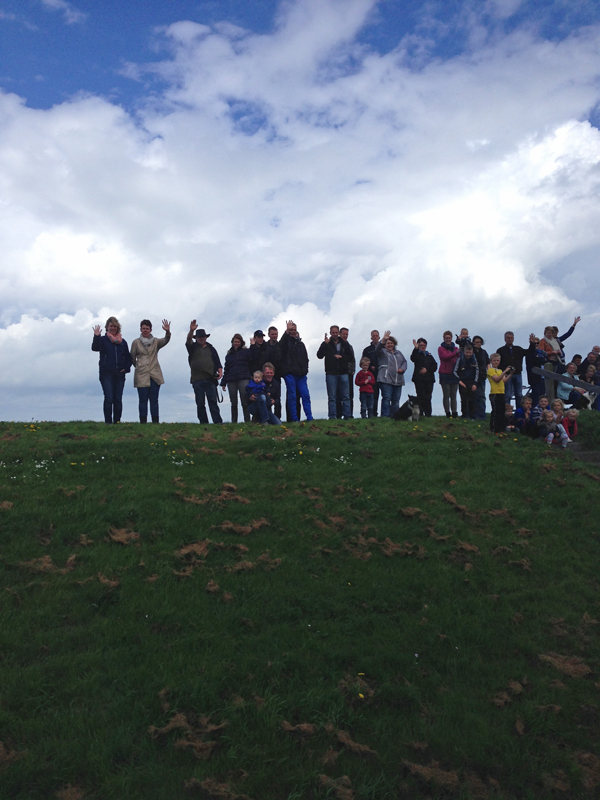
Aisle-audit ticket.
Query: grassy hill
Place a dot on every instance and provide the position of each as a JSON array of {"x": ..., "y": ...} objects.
[{"x": 358, "y": 610}]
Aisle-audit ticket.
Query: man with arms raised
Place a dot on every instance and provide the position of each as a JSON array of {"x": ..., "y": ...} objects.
[{"x": 206, "y": 371}]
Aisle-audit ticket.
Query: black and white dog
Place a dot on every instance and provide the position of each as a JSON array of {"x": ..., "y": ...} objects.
[{"x": 409, "y": 410}]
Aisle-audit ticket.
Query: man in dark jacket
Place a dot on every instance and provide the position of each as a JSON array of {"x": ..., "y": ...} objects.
[
  {"x": 336, "y": 353},
  {"x": 511, "y": 355},
  {"x": 424, "y": 375},
  {"x": 344, "y": 334},
  {"x": 370, "y": 352},
  {"x": 206, "y": 368},
  {"x": 466, "y": 370},
  {"x": 259, "y": 351},
  {"x": 294, "y": 368}
]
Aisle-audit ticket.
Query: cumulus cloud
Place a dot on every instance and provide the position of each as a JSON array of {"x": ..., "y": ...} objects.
[
  {"x": 299, "y": 174},
  {"x": 71, "y": 15}
]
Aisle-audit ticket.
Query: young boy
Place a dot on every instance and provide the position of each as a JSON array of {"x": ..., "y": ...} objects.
[
  {"x": 365, "y": 380},
  {"x": 258, "y": 400},
  {"x": 497, "y": 379},
  {"x": 542, "y": 405},
  {"x": 466, "y": 370},
  {"x": 523, "y": 418}
]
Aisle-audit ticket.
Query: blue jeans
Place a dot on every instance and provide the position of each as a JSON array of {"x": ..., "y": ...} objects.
[
  {"x": 146, "y": 393},
  {"x": 390, "y": 399},
  {"x": 514, "y": 386},
  {"x": 113, "y": 384},
  {"x": 263, "y": 408},
  {"x": 366, "y": 405},
  {"x": 207, "y": 390},
  {"x": 297, "y": 385},
  {"x": 337, "y": 385}
]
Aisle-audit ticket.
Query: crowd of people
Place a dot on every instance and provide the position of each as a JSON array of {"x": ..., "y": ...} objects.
[{"x": 253, "y": 377}]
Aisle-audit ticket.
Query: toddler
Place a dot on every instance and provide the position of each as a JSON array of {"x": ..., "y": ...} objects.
[
  {"x": 550, "y": 431},
  {"x": 462, "y": 338},
  {"x": 569, "y": 423},
  {"x": 365, "y": 380},
  {"x": 258, "y": 401}
]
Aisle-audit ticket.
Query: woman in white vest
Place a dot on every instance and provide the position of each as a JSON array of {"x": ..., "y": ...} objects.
[{"x": 148, "y": 376}]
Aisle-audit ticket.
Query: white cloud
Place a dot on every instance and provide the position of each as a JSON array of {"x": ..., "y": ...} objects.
[
  {"x": 71, "y": 14},
  {"x": 298, "y": 175}
]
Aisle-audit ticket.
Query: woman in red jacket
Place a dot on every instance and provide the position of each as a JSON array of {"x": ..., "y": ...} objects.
[{"x": 448, "y": 353}]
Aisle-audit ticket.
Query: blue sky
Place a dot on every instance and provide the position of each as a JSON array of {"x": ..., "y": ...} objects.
[
  {"x": 53, "y": 49},
  {"x": 408, "y": 165}
]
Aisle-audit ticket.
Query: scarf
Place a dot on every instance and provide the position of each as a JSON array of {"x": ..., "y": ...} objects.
[
  {"x": 115, "y": 338},
  {"x": 452, "y": 347},
  {"x": 147, "y": 342}
]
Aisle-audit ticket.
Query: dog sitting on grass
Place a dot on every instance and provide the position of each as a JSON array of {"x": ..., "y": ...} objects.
[{"x": 409, "y": 410}]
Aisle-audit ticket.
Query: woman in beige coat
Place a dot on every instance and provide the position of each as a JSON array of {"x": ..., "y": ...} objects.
[{"x": 148, "y": 376}]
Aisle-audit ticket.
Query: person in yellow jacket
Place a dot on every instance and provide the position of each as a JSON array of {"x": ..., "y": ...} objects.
[{"x": 148, "y": 376}]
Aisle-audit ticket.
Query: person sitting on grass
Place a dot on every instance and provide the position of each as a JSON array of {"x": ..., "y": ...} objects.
[
  {"x": 550, "y": 431},
  {"x": 466, "y": 370},
  {"x": 523, "y": 418},
  {"x": 558, "y": 410},
  {"x": 365, "y": 380},
  {"x": 497, "y": 379},
  {"x": 569, "y": 423},
  {"x": 542, "y": 405},
  {"x": 509, "y": 417},
  {"x": 259, "y": 401}
]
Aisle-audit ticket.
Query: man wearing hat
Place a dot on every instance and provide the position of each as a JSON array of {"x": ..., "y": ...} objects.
[{"x": 206, "y": 368}]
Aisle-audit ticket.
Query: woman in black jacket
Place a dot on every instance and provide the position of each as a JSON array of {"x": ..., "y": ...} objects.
[
  {"x": 236, "y": 376},
  {"x": 424, "y": 375}
]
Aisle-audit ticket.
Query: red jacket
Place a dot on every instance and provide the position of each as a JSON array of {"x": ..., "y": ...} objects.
[{"x": 366, "y": 381}]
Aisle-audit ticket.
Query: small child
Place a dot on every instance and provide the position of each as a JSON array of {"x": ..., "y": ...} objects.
[
  {"x": 550, "y": 431},
  {"x": 497, "y": 379},
  {"x": 569, "y": 423},
  {"x": 542, "y": 405},
  {"x": 558, "y": 410},
  {"x": 523, "y": 418},
  {"x": 366, "y": 381},
  {"x": 259, "y": 401},
  {"x": 462, "y": 338},
  {"x": 509, "y": 418}
]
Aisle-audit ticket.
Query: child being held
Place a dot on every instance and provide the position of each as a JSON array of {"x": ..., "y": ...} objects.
[
  {"x": 365, "y": 380},
  {"x": 550, "y": 431},
  {"x": 569, "y": 423},
  {"x": 462, "y": 338},
  {"x": 259, "y": 401}
]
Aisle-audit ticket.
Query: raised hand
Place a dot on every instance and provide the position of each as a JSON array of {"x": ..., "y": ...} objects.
[
  {"x": 415, "y": 343},
  {"x": 326, "y": 339},
  {"x": 252, "y": 340},
  {"x": 166, "y": 325},
  {"x": 97, "y": 330},
  {"x": 576, "y": 320},
  {"x": 386, "y": 334},
  {"x": 193, "y": 326}
]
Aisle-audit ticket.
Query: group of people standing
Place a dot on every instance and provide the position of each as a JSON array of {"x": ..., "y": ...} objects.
[{"x": 253, "y": 376}]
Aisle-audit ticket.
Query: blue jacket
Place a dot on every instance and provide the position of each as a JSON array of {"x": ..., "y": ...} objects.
[{"x": 113, "y": 357}]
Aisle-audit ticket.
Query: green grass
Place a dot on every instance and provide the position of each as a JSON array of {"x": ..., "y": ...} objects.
[{"x": 425, "y": 649}]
